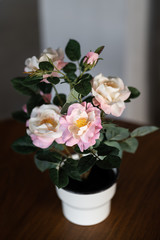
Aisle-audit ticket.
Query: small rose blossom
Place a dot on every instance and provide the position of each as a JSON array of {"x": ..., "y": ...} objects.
[
  {"x": 31, "y": 64},
  {"x": 91, "y": 58},
  {"x": 43, "y": 125},
  {"x": 54, "y": 55},
  {"x": 80, "y": 126},
  {"x": 57, "y": 57},
  {"x": 110, "y": 94}
]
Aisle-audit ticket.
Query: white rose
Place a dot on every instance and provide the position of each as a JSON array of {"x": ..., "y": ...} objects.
[
  {"x": 44, "y": 125},
  {"x": 32, "y": 64},
  {"x": 110, "y": 94},
  {"x": 54, "y": 55}
]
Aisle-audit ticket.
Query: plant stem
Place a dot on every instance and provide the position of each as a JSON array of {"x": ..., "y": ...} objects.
[
  {"x": 60, "y": 152},
  {"x": 65, "y": 76},
  {"x": 81, "y": 74},
  {"x": 67, "y": 150},
  {"x": 56, "y": 92},
  {"x": 94, "y": 154}
]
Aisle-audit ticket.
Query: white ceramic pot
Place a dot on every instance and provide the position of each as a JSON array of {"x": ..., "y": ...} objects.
[{"x": 86, "y": 209}]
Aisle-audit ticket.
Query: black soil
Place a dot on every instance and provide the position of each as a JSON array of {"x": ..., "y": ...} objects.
[{"x": 98, "y": 180}]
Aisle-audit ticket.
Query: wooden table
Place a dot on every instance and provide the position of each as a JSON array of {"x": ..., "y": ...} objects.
[{"x": 30, "y": 208}]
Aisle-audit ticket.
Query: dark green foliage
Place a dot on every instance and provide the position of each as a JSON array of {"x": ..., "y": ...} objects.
[
  {"x": 70, "y": 67},
  {"x": 24, "y": 145},
  {"x": 45, "y": 88},
  {"x": 85, "y": 163},
  {"x": 53, "y": 80},
  {"x": 129, "y": 145},
  {"x": 18, "y": 84},
  {"x": 61, "y": 100},
  {"x": 47, "y": 155},
  {"x": 20, "y": 116},
  {"x": 104, "y": 150},
  {"x": 72, "y": 76},
  {"x": 116, "y": 133},
  {"x": 72, "y": 50},
  {"x": 110, "y": 161},
  {"x": 34, "y": 101},
  {"x": 59, "y": 177},
  {"x": 83, "y": 88},
  {"x": 32, "y": 80},
  {"x": 46, "y": 66},
  {"x": 134, "y": 93},
  {"x": 99, "y": 49}
]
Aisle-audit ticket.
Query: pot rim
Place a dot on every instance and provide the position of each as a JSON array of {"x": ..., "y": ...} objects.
[{"x": 102, "y": 189}]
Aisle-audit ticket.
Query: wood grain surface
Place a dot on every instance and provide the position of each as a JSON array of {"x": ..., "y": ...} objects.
[{"x": 30, "y": 209}]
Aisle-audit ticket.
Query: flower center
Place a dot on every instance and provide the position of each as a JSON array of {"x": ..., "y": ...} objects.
[
  {"x": 81, "y": 122},
  {"x": 50, "y": 121},
  {"x": 110, "y": 84}
]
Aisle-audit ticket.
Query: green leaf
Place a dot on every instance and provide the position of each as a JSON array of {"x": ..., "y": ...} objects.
[
  {"x": 24, "y": 145},
  {"x": 45, "y": 87},
  {"x": 54, "y": 80},
  {"x": 65, "y": 107},
  {"x": 85, "y": 163},
  {"x": 77, "y": 150},
  {"x": 20, "y": 116},
  {"x": 70, "y": 164},
  {"x": 88, "y": 99},
  {"x": 75, "y": 175},
  {"x": 98, "y": 141},
  {"x": 109, "y": 161},
  {"x": 72, "y": 98},
  {"x": 57, "y": 101},
  {"x": 70, "y": 67},
  {"x": 134, "y": 92},
  {"x": 57, "y": 146},
  {"x": 32, "y": 80},
  {"x": 83, "y": 88},
  {"x": 99, "y": 49},
  {"x": 18, "y": 84},
  {"x": 72, "y": 50},
  {"x": 46, "y": 155},
  {"x": 104, "y": 150},
  {"x": 72, "y": 76},
  {"x": 116, "y": 145},
  {"x": 44, "y": 165},
  {"x": 116, "y": 133},
  {"x": 46, "y": 66},
  {"x": 59, "y": 177},
  {"x": 86, "y": 77},
  {"x": 82, "y": 65},
  {"x": 108, "y": 125},
  {"x": 129, "y": 145},
  {"x": 34, "y": 101},
  {"x": 142, "y": 131}
]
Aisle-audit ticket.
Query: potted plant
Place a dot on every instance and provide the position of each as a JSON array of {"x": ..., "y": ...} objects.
[{"x": 72, "y": 136}]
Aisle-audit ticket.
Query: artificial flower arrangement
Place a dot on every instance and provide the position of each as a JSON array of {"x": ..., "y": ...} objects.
[{"x": 60, "y": 126}]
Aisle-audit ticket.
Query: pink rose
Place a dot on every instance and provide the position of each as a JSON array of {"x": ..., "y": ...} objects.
[
  {"x": 91, "y": 58},
  {"x": 80, "y": 126},
  {"x": 110, "y": 94},
  {"x": 43, "y": 125}
]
